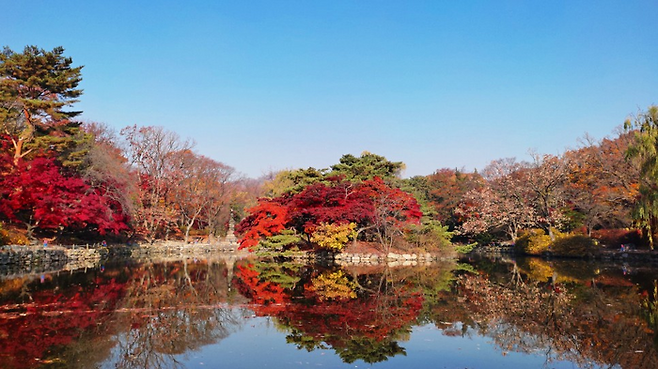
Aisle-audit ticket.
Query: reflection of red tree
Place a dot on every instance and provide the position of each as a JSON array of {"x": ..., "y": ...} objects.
[
  {"x": 154, "y": 307},
  {"x": 30, "y": 332},
  {"x": 334, "y": 321},
  {"x": 267, "y": 297}
]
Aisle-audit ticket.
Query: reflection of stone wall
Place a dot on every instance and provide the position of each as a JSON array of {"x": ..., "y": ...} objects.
[
  {"x": 37, "y": 259},
  {"x": 390, "y": 259},
  {"x": 180, "y": 249}
]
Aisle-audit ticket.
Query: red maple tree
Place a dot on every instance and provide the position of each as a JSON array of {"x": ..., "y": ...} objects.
[{"x": 37, "y": 194}]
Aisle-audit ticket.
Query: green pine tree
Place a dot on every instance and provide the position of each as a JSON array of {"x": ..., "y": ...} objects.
[{"x": 35, "y": 88}]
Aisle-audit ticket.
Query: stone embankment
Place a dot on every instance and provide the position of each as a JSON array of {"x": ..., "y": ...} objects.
[
  {"x": 494, "y": 249},
  {"x": 602, "y": 254},
  {"x": 21, "y": 260},
  {"x": 642, "y": 256},
  {"x": 16, "y": 260}
]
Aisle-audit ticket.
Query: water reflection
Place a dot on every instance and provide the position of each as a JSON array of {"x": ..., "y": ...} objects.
[
  {"x": 359, "y": 315},
  {"x": 172, "y": 309},
  {"x": 155, "y": 315},
  {"x": 130, "y": 315}
]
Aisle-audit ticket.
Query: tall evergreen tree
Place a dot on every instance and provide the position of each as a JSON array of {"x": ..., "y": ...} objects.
[{"x": 35, "y": 88}]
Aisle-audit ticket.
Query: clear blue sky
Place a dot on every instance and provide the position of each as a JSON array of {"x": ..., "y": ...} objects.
[{"x": 268, "y": 85}]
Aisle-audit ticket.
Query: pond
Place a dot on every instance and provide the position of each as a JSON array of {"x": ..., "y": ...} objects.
[{"x": 251, "y": 313}]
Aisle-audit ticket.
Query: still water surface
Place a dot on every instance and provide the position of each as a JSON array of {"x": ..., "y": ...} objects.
[{"x": 252, "y": 313}]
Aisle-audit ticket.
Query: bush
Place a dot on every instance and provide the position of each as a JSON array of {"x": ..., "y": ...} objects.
[
  {"x": 430, "y": 236},
  {"x": 573, "y": 245},
  {"x": 616, "y": 237},
  {"x": 280, "y": 242},
  {"x": 4, "y": 236},
  {"x": 12, "y": 236},
  {"x": 465, "y": 249},
  {"x": 333, "y": 237},
  {"x": 532, "y": 242},
  {"x": 537, "y": 242}
]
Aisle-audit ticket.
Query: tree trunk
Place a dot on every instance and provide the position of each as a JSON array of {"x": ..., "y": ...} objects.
[{"x": 356, "y": 237}]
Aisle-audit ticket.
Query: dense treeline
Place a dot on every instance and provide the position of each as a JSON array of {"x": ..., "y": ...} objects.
[
  {"x": 602, "y": 193},
  {"x": 70, "y": 180},
  {"x": 73, "y": 181},
  {"x": 553, "y": 203}
]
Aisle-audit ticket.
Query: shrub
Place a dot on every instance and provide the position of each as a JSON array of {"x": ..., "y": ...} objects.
[
  {"x": 333, "y": 237},
  {"x": 573, "y": 245},
  {"x": 280, "y": 242},
  {"x": 4, "y": 236},
  {"x": 532, "y": 242},
  {"x": 430, "y": 236},
  {"x": 465, "y": 249},
  {"x": 12, "y": 236},
  {"x": 615, "y": 237}
]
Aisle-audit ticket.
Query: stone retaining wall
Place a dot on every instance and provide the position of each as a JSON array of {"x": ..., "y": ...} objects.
[
  {"x": 16, "y": 260},
  {"x": 38, "y": 259},
  {"x": 617, "y": 255}
]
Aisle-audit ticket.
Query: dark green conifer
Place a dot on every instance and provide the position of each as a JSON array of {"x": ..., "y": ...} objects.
[{"x": 35, "y": 88}]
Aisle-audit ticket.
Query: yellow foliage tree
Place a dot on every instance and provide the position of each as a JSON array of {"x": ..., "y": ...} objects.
[
  {"x": 333, "y": 286},
  {"x": 333, "y": 237}
]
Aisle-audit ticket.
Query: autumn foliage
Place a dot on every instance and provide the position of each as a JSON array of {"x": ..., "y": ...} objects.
[
  {"x": 63, "y": 178},
  {"x": 37, "y": 194},
  {"x": 374, "y": 209},
  {"x": 266, "y": 219}
]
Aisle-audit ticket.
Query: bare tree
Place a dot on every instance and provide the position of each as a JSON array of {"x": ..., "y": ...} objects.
[{"x": 151, "y": 152}]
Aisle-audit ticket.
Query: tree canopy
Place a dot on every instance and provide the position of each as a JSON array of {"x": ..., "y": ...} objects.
[
  {"x": 35, "y": 87},
  {"x": 366, "y": 167},
  {"x": 375, "y": 209}
]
